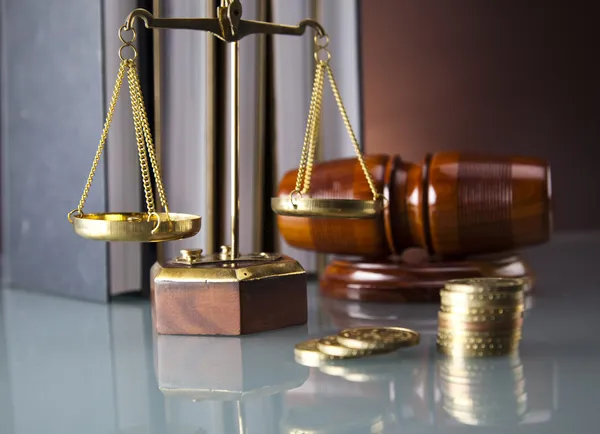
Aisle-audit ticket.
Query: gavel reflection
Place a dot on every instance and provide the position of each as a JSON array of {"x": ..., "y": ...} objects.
[{"x": 453, "y": 204}]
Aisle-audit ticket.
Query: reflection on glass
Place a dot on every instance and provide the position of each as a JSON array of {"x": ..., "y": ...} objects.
[
  {"x": 483, "y": 391},
  {"x": 227, "y": 384},
  {"x": 344, "y": 415},
  {"x": 345, "y": 314},
  {"x": 376, "y": 394}
]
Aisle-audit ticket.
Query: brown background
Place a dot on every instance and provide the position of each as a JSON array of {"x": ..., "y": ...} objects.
[{"x": 508, "y": 77}]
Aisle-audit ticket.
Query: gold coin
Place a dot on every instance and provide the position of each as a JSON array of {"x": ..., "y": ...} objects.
[
  {"x": 471, "y": 340},
  {"x": 489, "y": 343},
  {"x": 307, "y": 353},
  {"x": 468, "y": 327},
  {"x": 484, "y": 285},
  {"x": 330, "y": 346},
  {"x": 476, "y": 351},
  {"x": 493, "y": 333},
  {"x": 451, "y": 298},
  {"x": 497, "y": 333},
  {"x": 477, "y": 343},
  {"x": 458, "y": 319},
  {"x": 478, "y": 311},
  {"x": 373, "y": 338}
]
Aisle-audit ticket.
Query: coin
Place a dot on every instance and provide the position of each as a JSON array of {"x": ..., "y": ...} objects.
[
  {"x": 486, "y": 285},
  {"x": 451, "y": 298},
  {"x": 477, "y": 343},
  {"x": 498, "y": 333},
  {"x": 457, "y": 318},
  {"x": 307, "y": 353},
  {"x": 332, "y": 347},
  {"x": 373, "y": 338},
  {"x": 471, "y": 340},
  {"x": 481, "y": 310},
  {"x": 456, "y": 326},
  {"x": 476, "y": 350}
]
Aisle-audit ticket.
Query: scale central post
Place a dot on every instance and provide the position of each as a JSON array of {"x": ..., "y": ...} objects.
[{"x": 234, "y": 110}]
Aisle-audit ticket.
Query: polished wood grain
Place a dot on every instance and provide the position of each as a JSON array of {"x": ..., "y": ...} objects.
[
  {"x": 413, "y": 280},
  {"x": 452, "y": 204},
  {"x": 482, "y": 204},
  {"x": 185, "y": 306},
  {"x": 342, "y": 180}
]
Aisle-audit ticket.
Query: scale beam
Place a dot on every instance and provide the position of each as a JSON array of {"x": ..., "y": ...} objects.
[{"x": 225, "y": 28}]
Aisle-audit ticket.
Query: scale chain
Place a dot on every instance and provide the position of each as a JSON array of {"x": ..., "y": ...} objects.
[
  {"x": 344, "y": 114},
  {"x": 309, "y": 136},
  {"x": 139, "y": 135},
  {"x": 323, "y": 67},
  {"x": 128, "y": 69},
  {"x": 315, "y": 127},
  {"x": 103, "y": 136},
  {"x": 145, "y": 125}
]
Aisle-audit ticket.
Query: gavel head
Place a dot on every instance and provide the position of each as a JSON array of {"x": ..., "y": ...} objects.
[{"x": 454, "y": 204}]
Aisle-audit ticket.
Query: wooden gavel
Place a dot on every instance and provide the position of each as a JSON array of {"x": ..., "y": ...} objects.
[{"x": 454, "y": 204}]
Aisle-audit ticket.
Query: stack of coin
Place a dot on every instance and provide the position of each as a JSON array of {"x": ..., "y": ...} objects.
[
  {"x": 481, "y": 316},
  {"x": 354, "y": 343},
  {"x": 483, "y": 391}
]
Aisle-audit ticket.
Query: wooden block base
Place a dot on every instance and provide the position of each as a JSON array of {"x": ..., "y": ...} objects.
[
  {"x": 415, "y": 277},
  {"x": 228, "y": 297}
]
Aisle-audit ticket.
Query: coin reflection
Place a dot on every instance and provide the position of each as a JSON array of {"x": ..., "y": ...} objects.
[
  {"x": 347, "y": 415},
  {"x": 486, "y": 392},
  {"x": 388, "y": 382}
]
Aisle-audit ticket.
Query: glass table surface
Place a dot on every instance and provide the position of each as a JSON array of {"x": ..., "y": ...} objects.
[{"x": 68, "y": 366}]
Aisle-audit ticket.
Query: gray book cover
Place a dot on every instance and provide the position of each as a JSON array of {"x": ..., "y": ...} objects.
[{"x": 58, "y": 67}]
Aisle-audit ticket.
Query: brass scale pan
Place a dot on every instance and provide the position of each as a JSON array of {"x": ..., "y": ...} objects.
[
  {"x": 151, "y": 226},
  {"x": 295, "y": 204},
  {"x": 139, "y": 227},
  {"x": 326, "y": 208}
]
